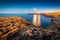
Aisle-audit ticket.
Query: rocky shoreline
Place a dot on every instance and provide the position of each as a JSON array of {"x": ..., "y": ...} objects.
[{"x": 17, "y": 28}]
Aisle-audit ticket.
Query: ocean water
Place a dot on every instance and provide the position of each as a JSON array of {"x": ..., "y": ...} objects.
[{"x": 45, "y": 21}]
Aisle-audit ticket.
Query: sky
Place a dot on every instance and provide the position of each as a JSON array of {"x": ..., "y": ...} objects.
[{"x": 28, "y": 6}]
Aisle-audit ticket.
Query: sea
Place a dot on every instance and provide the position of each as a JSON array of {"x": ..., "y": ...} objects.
[{"x": 45, "y": 21}]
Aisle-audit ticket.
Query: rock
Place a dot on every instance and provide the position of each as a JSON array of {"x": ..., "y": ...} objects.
[
  {"x": 55, "y": 28},
  {"x": 10, "y": 25},
  {"x": 17, "y": 28},
  {"x": 55, "y": 23}
]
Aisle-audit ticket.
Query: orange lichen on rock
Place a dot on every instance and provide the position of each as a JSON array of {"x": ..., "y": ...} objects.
[{"x": 1, "y": 33}]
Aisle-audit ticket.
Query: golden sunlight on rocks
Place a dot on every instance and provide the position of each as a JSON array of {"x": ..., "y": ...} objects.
[
  {"x": 11, "y": 25},
  {"x": 52, "y": 14}
]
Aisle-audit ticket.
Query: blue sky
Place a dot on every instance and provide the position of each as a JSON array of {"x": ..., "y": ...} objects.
[{"x": 27, "y": 6}]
